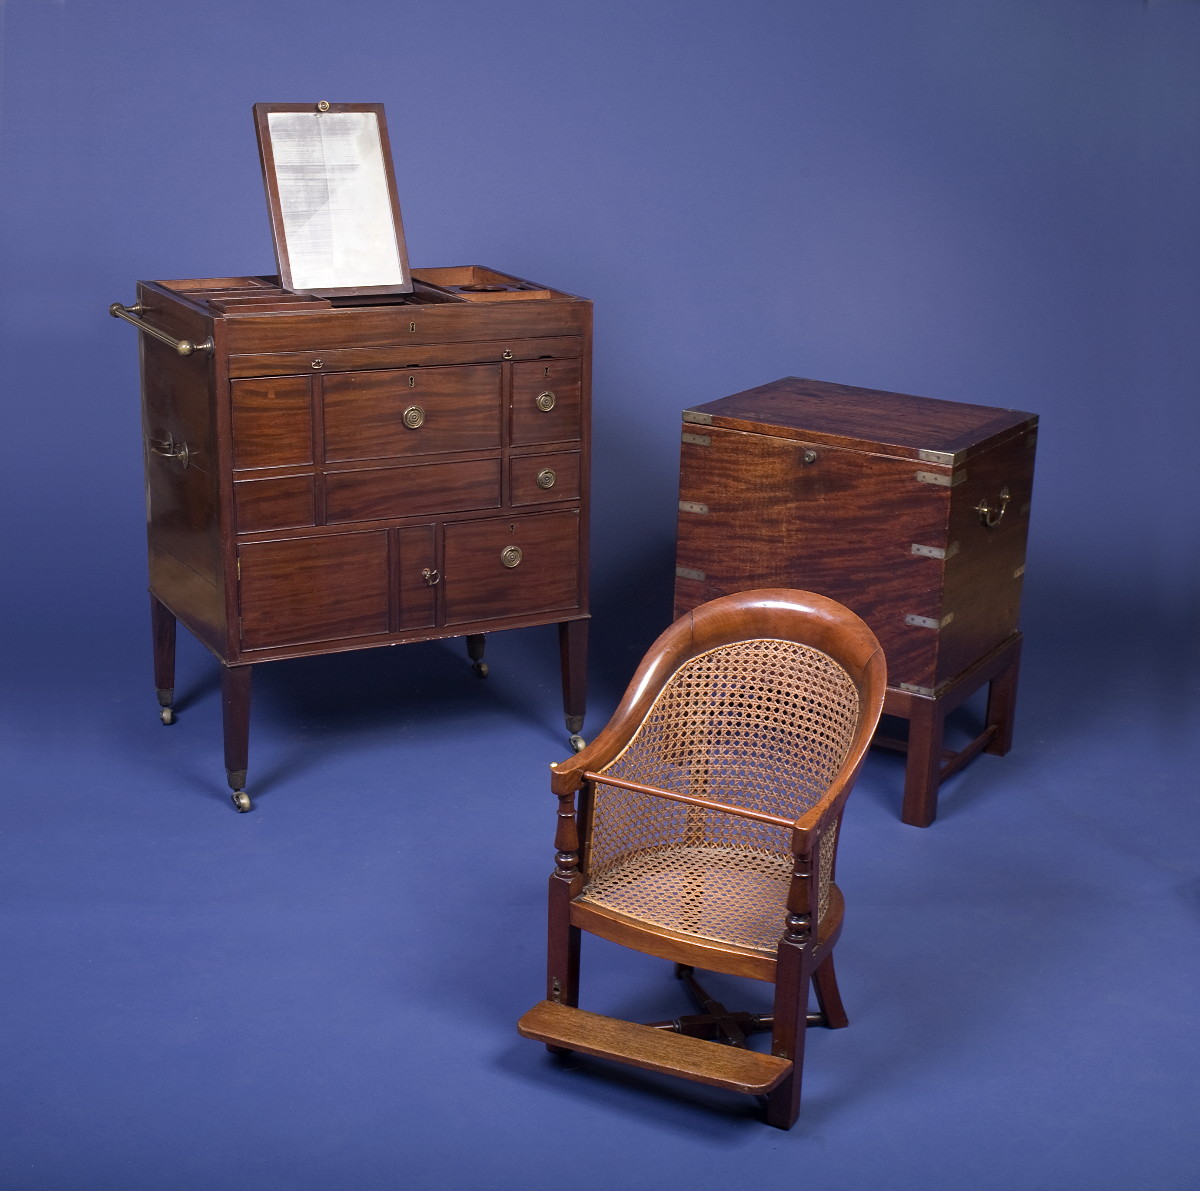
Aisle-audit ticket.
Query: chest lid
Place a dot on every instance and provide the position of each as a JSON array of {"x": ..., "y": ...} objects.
[{"x": 919, "y": 428}]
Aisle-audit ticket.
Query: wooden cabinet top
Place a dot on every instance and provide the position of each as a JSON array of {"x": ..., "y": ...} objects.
[{"x": 919, "y": 428}]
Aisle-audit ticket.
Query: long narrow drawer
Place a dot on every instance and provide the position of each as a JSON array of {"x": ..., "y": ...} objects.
[
  {"x": 418, "y": 411},
  {"x": 416, "y": 490},
  {"x": 511, "y": 566}
]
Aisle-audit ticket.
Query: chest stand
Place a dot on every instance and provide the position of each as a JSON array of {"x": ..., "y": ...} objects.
[{"x": 929, "y": 762}]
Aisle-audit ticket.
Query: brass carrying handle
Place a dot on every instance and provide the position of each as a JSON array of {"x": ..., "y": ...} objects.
[
  {"x": 185, "y": 347},
  {"x": 170, "y": 449},
  {"x": 991, "y": 515}
]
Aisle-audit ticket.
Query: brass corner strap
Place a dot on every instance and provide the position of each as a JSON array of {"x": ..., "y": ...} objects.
[{"x": 185, "y": 347}]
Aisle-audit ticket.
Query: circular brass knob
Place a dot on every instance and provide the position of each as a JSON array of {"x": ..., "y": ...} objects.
[
  {"x": 414, "y": 417},
  {"x": 546, "y": 478},
  {"x": 511, "y": 555},
  {"x": 544, "y": 401}
]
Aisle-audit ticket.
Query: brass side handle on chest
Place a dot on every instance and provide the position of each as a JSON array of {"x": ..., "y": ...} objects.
[
  {"x": 990, "y": 514},
  {"x": 185, "y": 347}
]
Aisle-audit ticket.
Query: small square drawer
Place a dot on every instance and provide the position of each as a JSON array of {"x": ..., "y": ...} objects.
[
  {"x": 537, "y": 479},
  {"x": 277, "y": 502},
  {"x": 545, "y": 401},
  {"x": 511, "y": 566},
  {"x": 272, "y": 422}
]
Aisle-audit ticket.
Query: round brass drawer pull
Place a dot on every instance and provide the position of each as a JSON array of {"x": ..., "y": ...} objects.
[
  {"x": 544, "y": 401},
  {"x": 414, "y": 417},
  {"x": 511, "y": 555},
  {"x": 546, "y": 478}
]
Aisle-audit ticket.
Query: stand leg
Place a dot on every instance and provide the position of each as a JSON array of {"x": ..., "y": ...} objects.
[
  {"x": 1002, "y": 704},
  {"x": 476, "y": 643},
  {"x": 235, "y": 716},
  {"x": 572, "y": 653},
  {"x": 162, "y": 627},
  {"x": 922, "y": 774}
]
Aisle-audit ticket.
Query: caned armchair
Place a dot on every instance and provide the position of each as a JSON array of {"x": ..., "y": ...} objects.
[{"x": 705, "y": 832}]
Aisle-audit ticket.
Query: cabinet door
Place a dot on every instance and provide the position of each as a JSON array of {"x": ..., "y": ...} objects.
[
  {"x": 416, "y": 411},
  {"x": 511, "y": 566},
  {"x": 546, "y": 401},
  {"x": 301, "y": 590}
]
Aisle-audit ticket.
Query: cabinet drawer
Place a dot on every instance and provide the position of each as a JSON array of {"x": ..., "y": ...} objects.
[
  {"x": 511, "y": 566},
  {"x": 418, "y": 490},
  {"x": 272, "y": 422},
  {"x": 545, "y": 401},
  {"x": 313, "y": 589},
  {"x": 536, "y": 479},
  {"x": 280, "y": 502},
  {"x": 418, "y": 411}
]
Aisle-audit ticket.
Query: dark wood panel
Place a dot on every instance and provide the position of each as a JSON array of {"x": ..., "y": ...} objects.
[
  {"x": 423, "y": 489},
  {"x": 478, "y": 584},
  {"x": 539, "y": 382},
  {"x": 842, "y": 526},
  {"x": 272, "y": 422},
  {"x": 277, "y": 502},
  {"x": 538, "y": 479},
  {"x": 303, "y": 590},
  {"x": 364, "y": 412}
]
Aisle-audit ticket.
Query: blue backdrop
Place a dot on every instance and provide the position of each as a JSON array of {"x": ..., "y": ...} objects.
[{"x": 992, "y": 201}]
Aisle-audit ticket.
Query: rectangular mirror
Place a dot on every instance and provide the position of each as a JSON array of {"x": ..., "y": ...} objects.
[{"x": 331, "y": 192}]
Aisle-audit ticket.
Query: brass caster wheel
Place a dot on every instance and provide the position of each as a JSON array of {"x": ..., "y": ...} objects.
[
  {"x": 167, "y": 715},
  {"x": 480, "y": 668},
  {"x": 241, "y": 800},
  {"x": 577, "y": 742}
]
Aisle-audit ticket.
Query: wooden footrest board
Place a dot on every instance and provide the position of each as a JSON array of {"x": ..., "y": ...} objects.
[{"x": 656, "y": 1050}]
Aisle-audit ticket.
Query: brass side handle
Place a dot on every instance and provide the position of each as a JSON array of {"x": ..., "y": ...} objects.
[
  {"x": 414, "y": 417},
  {"x": 185, "y": 347},
  {"x": 168, "y": 448},
  {"x": 544, "y": 401},
  {"x": 511, "y": 556},
  {"x": 992, "y": 514}
]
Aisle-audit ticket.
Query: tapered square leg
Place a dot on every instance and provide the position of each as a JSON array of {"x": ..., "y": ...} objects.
[
  {"x": 162, "y": 627},
  {"x": 235, "y": 718},
  {"x": 572, "y": 650}
]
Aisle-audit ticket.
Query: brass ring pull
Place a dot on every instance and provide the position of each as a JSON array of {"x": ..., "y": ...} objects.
[
  {"x": 546, "y": 478},
  {"x": 431, "y": 576},
  {"x": 544, "y": 401},
  {"x": 414, "y": 417},
  {"x": 507, "y": 353},
  {"x": 170, "y": 449},
  {"x": 185, "y": 347},
  {"x": 511, "y": 555},
  {"x": 991, "y": 515}
]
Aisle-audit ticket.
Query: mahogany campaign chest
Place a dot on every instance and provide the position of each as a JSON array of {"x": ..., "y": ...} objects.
[
  {"x": 334, "y": 475},
  {"x": 911, "y": 511}
]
